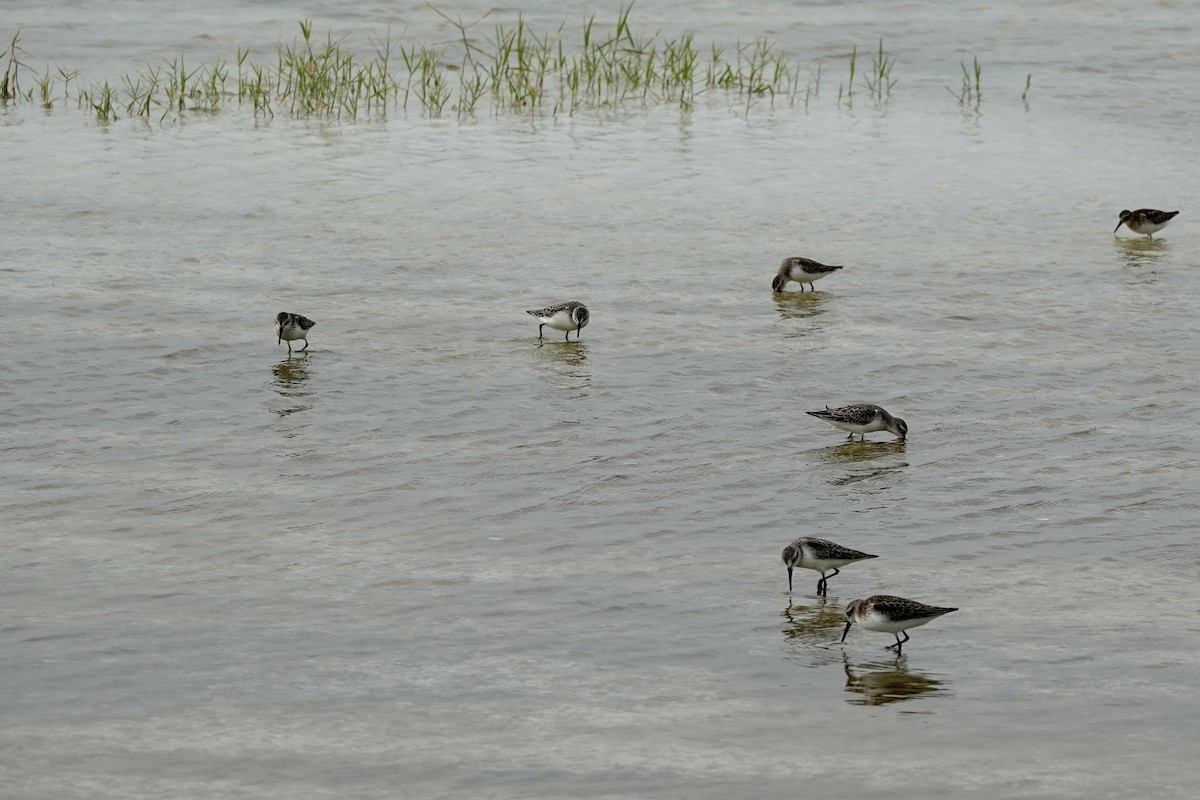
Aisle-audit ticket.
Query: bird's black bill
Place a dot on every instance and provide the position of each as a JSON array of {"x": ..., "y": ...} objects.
[
  {"x": 789, "y": 579},
  {"x": 1119, "y": 224},
  {"x": 847, "y": 629}
]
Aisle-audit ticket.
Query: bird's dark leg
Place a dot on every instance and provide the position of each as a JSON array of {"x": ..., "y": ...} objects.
[
  {"x": 821, "y": 587},
  {"x": 289, "y": 348},
  {"x": 899, "y": 642},
  {"x": 850, "y": 438},
  {"x": 540, "y": 329},
  {"x": 302, "y": 349},
  {"x": 567, "y": 336}
]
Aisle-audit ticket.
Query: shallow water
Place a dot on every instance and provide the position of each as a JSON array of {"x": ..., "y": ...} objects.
[{"x": 433, "y": 557}]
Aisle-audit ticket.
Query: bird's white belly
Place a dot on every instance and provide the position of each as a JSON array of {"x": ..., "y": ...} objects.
[
  {"x": 878, "y": 622},
  {"x": 1147, "y": 227},
  {"x": 561, "y": 321},
  {"x": 853, "y": 427},
  {"x": 805, "y": 277}
]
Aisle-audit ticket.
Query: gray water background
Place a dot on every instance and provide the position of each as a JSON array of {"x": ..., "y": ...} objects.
[{"x": 432, "y": 557}]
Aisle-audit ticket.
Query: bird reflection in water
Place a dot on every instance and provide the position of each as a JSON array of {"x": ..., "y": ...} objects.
[
  {"x": 562, "y": 352},
  {"x": 878, "y": 683},
  {"x": 815, "y": 622},
  {"x": 290, "y": 375},
  {"x": 797, "y": 305},
  {"x": 866, "y": 460},
  {"x": 860, "y": 450},
  {"x": 1141, "y": 253},
  {"x": 564, "y": 365}
]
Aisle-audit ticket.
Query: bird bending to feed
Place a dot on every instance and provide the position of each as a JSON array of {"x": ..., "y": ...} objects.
[
  {"x": 888, "y": 614},
  {"x": 804, "y": 270},
  {"x": 862, "y": 418},
  {"x": 572, "y": 316},
  {"x": 1145, "y": 220},
  {"x": 820, "y": 555},
  {"x": 291, "y": 327}
]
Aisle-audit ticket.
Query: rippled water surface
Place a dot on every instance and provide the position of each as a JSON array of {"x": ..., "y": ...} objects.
[{"x": 435, "y": 557}]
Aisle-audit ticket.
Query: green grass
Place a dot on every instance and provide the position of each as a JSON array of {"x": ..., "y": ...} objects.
[
  {"x": 880, "y": 81},
  {"x": 509, "y": 68},
  {"x": 492, "y": 69},
  {"x": 10, "y": 82},
  {"x": 971, "y": 91}
]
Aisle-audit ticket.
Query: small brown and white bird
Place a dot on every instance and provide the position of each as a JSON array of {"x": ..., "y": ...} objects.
[
  {"x": 888, "y": 614},
  {"x": 819, "y": 555},
  {"x": 862, "y": 418},
  {"x": 291, "y": 327},
  {"x": 1145, "y": 221},
  {"x": 572, "y": 316},
  {"x": 803, "y": 270}
]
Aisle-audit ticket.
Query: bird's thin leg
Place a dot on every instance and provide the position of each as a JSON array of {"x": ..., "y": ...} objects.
[
  {"x": 302, "y": 349},
  {"x": 899, "y": 642},
  {"x": 289, "y": 348},
  {"x": 540, "y": 329},
  {"x": 567, "y": 336},
  {"x": 823, "y": 584}
]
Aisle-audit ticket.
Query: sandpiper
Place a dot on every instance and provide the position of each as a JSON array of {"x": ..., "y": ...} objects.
[
  {"x": 572, "y": 316},
  {"x": 862, "y": 418},
  {"x": 888, "y": 614},
  {"x": 290, "y": 327},
  {"x": 1145, "y": 220},
  {"x": 820, "y": 555},
  {"x": 804, "y": 270}
]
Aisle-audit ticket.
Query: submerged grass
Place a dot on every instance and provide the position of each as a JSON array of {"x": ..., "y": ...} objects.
[
  {"x": 10, "y": 81},
  {"x": 971, "y": 91},
  {"x": 510, "y": 68}
]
